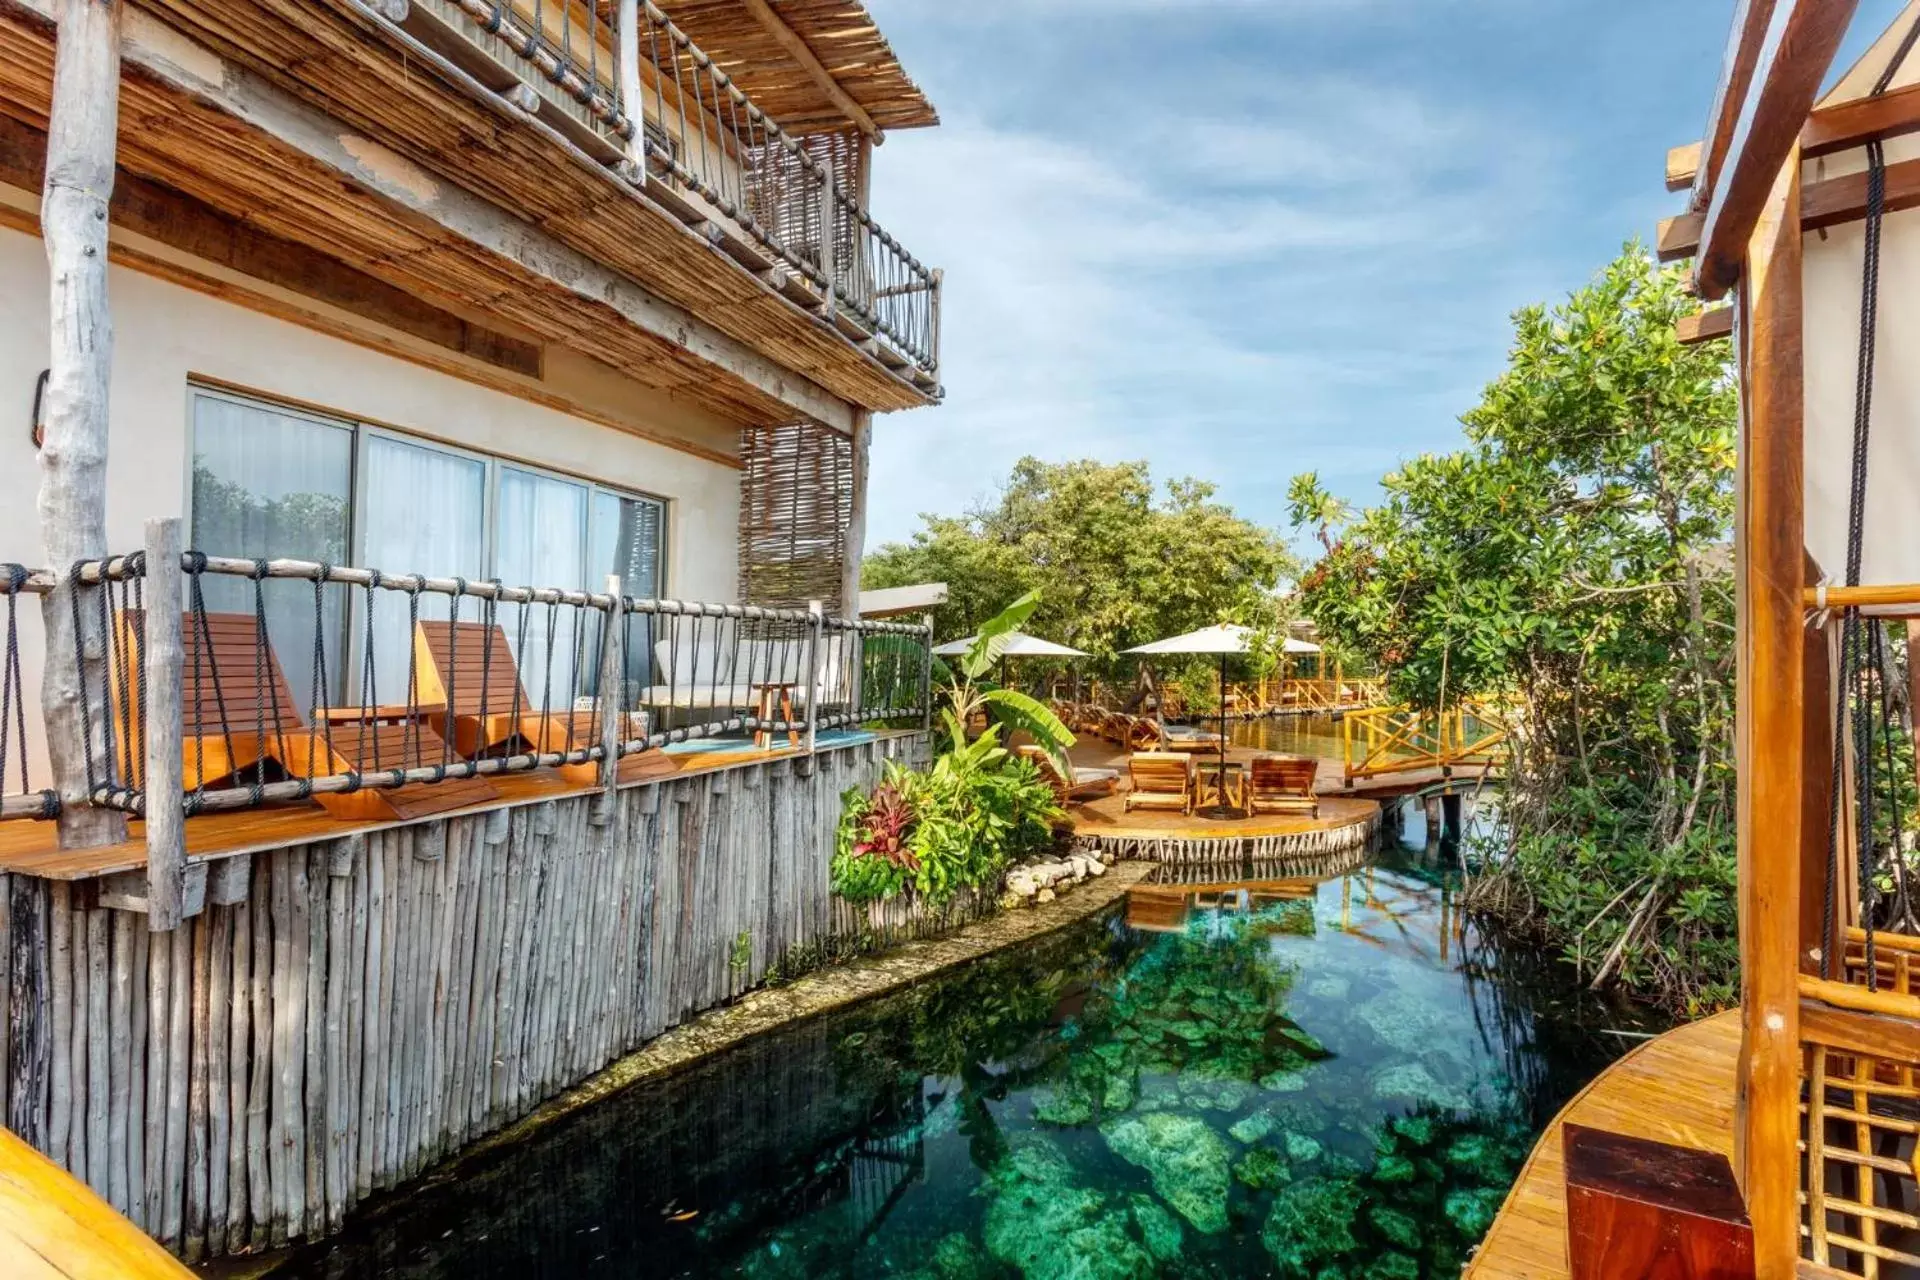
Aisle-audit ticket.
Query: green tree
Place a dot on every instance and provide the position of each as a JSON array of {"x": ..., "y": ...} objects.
[
  {"x": 1117, "y": 560},
  {"x": 1573, "y": 556}
]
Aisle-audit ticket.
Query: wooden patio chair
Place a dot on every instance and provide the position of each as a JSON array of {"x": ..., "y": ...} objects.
[
  {"x": 1161, "y": 780},
  {"x": 471, "y": 683},
  {"x": 238, "y": 712},
  {"x": 1283, "y": 784},
  {"x": 1086, "y": 783}
]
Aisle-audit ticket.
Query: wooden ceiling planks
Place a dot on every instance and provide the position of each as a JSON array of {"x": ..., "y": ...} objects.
[
  {"x": 523, "y": 167},
  {"x": 842, "y": 37},
  {"x": 485, "y": 149},
  {"x": 204, "y": 153}
]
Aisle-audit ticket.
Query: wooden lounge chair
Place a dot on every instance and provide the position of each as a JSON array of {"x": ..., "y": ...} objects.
[
  {"x": 1283, "y": 784},
  {"x": 1161, "y": 780},
  {"x": 467, "y": 672},
  {"x": 239, "y": 712},
  {"x": 1086, "y": 784}
]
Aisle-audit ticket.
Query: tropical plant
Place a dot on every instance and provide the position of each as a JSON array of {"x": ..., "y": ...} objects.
[
  {"x": 1573, "y": 556},
  {"x": 956, "y": 826},
  {"x": 969, "y": 691}
]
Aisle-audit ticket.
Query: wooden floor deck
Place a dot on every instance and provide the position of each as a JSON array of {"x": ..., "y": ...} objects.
[
  {"x": 1678, "y": 1088},
  {"x": 1108, "y": 816},
  {"x": 53, "y": 1228},
  {"x": 29, "y": 847}
]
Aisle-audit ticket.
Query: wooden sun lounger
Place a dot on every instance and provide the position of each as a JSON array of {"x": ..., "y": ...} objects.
[
  {"x": 239, "y": 712},
  {"x": 1086, "y": 784},
  {"x": 1283, "y": 784},
  {"x": 1161, "y": 780},
  {"x": 468, "y": 671}
]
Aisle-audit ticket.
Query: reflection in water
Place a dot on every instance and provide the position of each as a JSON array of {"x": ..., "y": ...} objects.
[{"x": 1274, "y": 1076}]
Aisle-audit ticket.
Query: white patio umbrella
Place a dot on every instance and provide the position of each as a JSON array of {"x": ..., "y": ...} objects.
[
  {"x": 1224, "y": 639},
  {"x": 1019, "y": 645}
]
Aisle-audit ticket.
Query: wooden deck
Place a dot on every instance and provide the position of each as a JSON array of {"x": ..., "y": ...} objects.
[
  {"x": 1678, "y": 1088},
  {"x": 53, "y": 1228},
  {"x": 1108, "y": 816},
  {"x": 29, "y": 847}
]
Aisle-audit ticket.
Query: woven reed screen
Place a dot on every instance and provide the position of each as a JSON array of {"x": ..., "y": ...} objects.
[
  {"x": 1860, "y": 1117},
  {"x": 785, "y": 198},
  {"x": 796, "y": 501}
]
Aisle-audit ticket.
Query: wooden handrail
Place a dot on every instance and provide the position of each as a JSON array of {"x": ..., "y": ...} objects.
[{"x": 1866, "y": 597}]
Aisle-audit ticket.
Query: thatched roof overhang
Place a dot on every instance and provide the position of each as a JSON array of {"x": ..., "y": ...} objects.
[{"x": 778, "y": 50}]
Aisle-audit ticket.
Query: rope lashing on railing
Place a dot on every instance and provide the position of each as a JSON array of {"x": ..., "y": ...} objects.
[{"x": 721, "y": 669}]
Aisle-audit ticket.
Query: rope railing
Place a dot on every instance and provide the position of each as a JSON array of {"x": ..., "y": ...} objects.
[
  {"x": 29, "y": 801},
  {"x": 299, "y": 680},
  {"x": 686, "y": 122}
]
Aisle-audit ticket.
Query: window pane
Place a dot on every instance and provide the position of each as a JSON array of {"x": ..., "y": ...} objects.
[
  {"x": 425, "y": 513},
  {"x": 542, "y": 541},
  {"x": 266, "y": 485},
  {"x": 627, "y": 541}
]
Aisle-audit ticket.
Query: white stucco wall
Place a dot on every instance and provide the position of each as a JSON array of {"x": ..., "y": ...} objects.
[{"x": 166, "y": 335}]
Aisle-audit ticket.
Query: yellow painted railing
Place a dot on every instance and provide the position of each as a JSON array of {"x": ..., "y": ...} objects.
[{"x": 1384, "y": 740}]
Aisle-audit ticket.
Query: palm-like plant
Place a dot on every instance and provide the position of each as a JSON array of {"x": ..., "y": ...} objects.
[{"x": 969, "y": 690}]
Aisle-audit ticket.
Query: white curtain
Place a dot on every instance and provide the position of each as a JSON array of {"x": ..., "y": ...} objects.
[
  {"x": 268, "y": 484},
  {"x": 542, "y": 526},
  {"x": 425, "y": 513}
]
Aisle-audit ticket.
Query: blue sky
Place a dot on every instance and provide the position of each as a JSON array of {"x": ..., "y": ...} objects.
[{"x": 1247, "y": 238}]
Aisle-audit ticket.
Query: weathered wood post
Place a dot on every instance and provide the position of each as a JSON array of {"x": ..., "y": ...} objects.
[
  {"x": 81, "y": 130},
  {"x": 854, "y": 549},
  {"x": 626, "y": 57},
  {"x": 162, "y": 781},
  {"x": 609, "y": 686},
  {"x": 816, "y": 623}
]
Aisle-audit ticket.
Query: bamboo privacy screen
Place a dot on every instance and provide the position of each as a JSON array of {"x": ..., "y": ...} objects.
[{"x": 796, "y": 503}]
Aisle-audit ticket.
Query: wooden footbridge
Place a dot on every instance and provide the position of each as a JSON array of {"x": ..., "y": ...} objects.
[{"x": 1398, "y": 751}]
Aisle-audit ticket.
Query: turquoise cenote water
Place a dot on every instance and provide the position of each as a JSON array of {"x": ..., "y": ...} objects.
[{"x": 1278, "y": 1077}]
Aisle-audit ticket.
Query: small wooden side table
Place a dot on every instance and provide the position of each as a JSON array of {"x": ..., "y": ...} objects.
[{"x": 772, "y": 695}]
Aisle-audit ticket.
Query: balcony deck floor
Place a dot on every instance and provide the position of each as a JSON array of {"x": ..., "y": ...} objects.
[{"x": 1677, "y": 1088}]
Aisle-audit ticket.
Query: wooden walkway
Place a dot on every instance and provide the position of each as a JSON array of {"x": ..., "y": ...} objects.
[
  {"x": 53, "y": 1228},
  {"x": 1678, "y": 1088}
]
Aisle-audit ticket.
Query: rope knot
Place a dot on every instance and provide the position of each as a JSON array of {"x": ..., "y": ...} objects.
[
  {"x": 259, "y": 573},
  {"x": 195, "y": 562},
  {"x": 16, "y": 578}
]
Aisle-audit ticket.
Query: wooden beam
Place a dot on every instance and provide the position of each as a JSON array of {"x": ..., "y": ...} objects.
[
  {"x": 1705, "y": 326},
  {"x": 1770, "y": 555},
  {"x": 1801, "y": 40},
  {"x": 1736, "y": 75},
  {"x": 788, "y": 39},
  {"x": 1677, "y": 237},
  {"x": 856, "y": 544},
  {"x": 1824, "y": 204},
  {"x": 83, "y": 125},
  {"x": 1852, "y": 124},
  {"x": 1683, "y": 165}
]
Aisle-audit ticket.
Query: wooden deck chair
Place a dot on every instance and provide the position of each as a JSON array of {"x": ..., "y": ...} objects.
[
  {"x": 1283, "y": 784},
  {"x": 489, "y": 709},
  {"x": 1086, "y": 784},
  {"x": 238, "y": 712},
  {"x": 1161, "y": 780}
]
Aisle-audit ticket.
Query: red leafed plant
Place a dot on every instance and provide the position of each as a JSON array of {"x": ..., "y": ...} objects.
[{"x": 882, "y": 829}]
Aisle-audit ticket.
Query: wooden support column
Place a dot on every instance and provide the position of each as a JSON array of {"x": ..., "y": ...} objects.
[
  {"x": 856, "y": 543},
  {"x": 607, "y": 705},
  {"x": 626, "y": 56},
  {"x": 1770, "y": 554},
  {"x": 161, "y": 722},
  {"x": 81, "y": 132}
]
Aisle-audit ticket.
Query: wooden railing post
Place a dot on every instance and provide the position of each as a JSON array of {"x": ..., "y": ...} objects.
[
  {"x": 163, "y": 783},
  {"x": 926, "y": 674},
  {"x": 626, "y": 56},
  {"x": 82, "y": 126},
  {"x": 1769, "y": 542},
  {"x": 815, "y": 686},
  {"x": 607, "y": 700}
]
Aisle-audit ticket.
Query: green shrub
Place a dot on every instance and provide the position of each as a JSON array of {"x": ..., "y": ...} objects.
[{"x": 956, "y": 826}]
